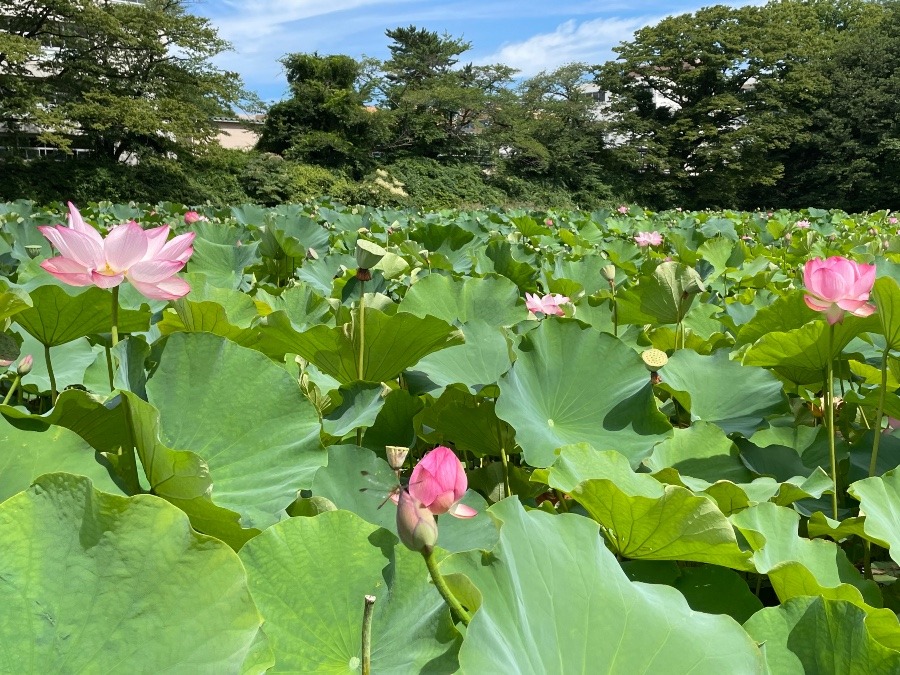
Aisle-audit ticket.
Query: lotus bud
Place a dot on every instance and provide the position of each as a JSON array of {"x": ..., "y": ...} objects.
[
  {"x": 25, "y": 366},
  {"x": 311, "y": 254},
  {"x": 33, "y": 250},
  {"x": 192, "y": 217},
  {"x": 609, "y": 273},
  {"x": 872, "y": 232},
  {"x": 416, "y": 525},
  {"x": 396, "y": 455}
]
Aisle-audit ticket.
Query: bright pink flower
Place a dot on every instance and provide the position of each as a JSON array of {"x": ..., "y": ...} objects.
[
  {"x": 416, "y": 525},
  {"x": 648, "y": 238},
  {"x": 802, "y": 224},
  {"x": 192, "y": 217},
  {"x": 622, "y": 209},
  {"x": 837, "y": 285},
  {"x": 549, "y": 304},
  {"x": 439, "y": 482},
  {"x": 144, "y": 257},
  {"x": 549, "y": 222}
]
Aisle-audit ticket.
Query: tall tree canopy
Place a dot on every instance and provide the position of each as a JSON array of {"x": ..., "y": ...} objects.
[{"x": 118, "y": 78}]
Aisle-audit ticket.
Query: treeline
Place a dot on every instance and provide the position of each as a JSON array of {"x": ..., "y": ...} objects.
[{"x": 792, "y": 104}]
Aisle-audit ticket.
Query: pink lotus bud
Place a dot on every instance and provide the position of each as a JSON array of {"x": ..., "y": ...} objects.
[
  {"x": 416, "y": 525},
  {"x": 192, "y": 217},
  {"x": 439, "y": 482},
  {"x": 25, "y": 365},
  {"x": 549, "y": 222},
  {"x": 837, "y": 285}
]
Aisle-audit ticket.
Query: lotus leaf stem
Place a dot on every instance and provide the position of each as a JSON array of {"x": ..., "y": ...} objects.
[
  {"x": 12, "y": 389},
  {"x": 442, "y": 587},
  {"x": 368, "y": 608},
  {"x": 829, "y": 418},
  {"x": 505, "y": 460},
  {"x": 879, "y": 413},
  {"x": 50, "y": 374}
]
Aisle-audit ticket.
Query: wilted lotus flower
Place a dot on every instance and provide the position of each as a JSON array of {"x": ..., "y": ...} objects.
[
  {"x": 549, "y": 304},
  {"x": 802, "y": 224},
  {"x": 416, "y": 525},
  {"x": 143, "y": 257},
  {"x": 192, "y": 217},
  {"x": 439, "y": 482},
  {"x": 837, "y": 285},
  {"x": 648, "y": 238}
]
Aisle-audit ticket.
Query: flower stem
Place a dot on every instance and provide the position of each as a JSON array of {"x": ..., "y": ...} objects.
[
  {"x": 12, "y": 389},
  {"x": 505, "y": 460},
  {"x": 115, "y": 316},
  {"x": 879, "y": 413},
  {"x": 361, "y": 319},
  {"x": 438, "y": 579},
  {"x": 368, "y": 608},
  {"x": 829, "y": 418}
]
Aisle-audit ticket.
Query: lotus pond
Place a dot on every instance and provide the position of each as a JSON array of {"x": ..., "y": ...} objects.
[{"x": 668, "y": 438}]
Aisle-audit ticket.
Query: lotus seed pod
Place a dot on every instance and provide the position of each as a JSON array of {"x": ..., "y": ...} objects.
[
  {"x": 33, "y": 250},
  {"x": 396, "y": 455},
  {"x": 654, "y": 359},
  {"x": 368, "y": 254},
  {"x": 608, "y": 272}
]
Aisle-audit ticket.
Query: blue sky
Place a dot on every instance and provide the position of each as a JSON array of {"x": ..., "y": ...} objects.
[{"x": 531, "y": 35}]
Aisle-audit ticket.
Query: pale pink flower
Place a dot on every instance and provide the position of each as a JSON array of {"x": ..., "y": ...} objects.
[
  {"x": 549, "y": 304},
  {"x": 549, "y": 222},
  {"x": 648, "y": 238},
  {"x": 416, "y": 525},
  {"x": 25, "y": 365},
  {"x": 142, "y": 257},
  {"x": 892, "y": 220},
  {"x": 622, "y": 209},
  {"x": 192, "y": 217},
  {"x": 802, "y": 224},
  {"x": 837, "y": 285},
  {"x": 439, "y": 482}
]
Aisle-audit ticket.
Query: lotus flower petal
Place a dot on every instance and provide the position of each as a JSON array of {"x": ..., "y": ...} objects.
[
  {"x": 75, "y": 246},
  {"x": 167, "y": 289},
  {"x": 124, "y": 246},
  {"x": 153, "y": 271},
  {"x": 68, "y": 271},
  {"x": 178, "y": 249}
]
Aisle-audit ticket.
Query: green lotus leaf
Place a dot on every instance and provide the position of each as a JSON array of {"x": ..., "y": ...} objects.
[
  {"x": 223, "y": 264},
  {"x": 799, "y": 566},
  {"x": 78, "y": 594},
  {"x": 820, "y": 635},
  {"x": 820, "y": 525},
  {"x": 479, "y": 362},
  {"x": 69, "y": 361},
  {"x": 359, "y": 407},
  {"x": 469, "y": 423},
  {"x": 886, "y": 294},
  {"x": 58, "y": 317},
  {"x": 260, "y": 441},
  {"x": 801, "y": 354},
  {"x": 494, "y": 300},
  {"x": 392, "y": 344},
  {"x": 12, "y": 300},
  {"x": 358, "y": 481},
  {"x": 303, "y": 306},
  {"x": 716, "y": 389},
  {"x": 395, "y": 424},
  {"x": 665, "y": 296},
  {"x": 309, "y": 577},
  {"x": 700, "y": 451},
  {"x": 570, "y": 384},
  {"x": 548, "y": 571},
  {"x": 641, "y": 518},
  {"x": 879, "y": 500},
  {"x": 505, "y": 259}
]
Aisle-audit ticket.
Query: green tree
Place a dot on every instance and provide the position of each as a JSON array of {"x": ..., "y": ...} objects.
[
  {"x": 118, "y": 78},
  {"x": 326, "y": 120}
]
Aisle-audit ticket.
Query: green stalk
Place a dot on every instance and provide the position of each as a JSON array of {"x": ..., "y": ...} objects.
[
  {"x": 360, "y": 363},
  {"x": 438, "y": 579},
  {"x": 50, "y": 373},
  {"x": 115, "y": 316},
  {"x": 829, "y": 419},
  {"x": 505, "y": 460},
  {"x": 879, "y": 413},
  {"x": 368, "y": 609},
  {"x": 12, "y": 389}
]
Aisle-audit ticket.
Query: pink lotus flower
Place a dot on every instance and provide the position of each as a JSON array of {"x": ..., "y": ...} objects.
[
  {"x": 648, "y": 238},
  {"x": 892, "y": 220},
  {"x": 837, "y": 285},
  {"x": 549, "y": 304},
  {"x": 143, "y": 257},
  {"x": 192, "y": 217},
  {"x": 622, "y": 209},
  {"x": 439, "y": 482},
  {"x": 416, "y": 525},
  {"x": 802, "y": 224},
  {"x": 549, "y": 222}
]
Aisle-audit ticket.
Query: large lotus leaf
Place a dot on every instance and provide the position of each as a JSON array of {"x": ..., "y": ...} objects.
[
  {"x": 505, "y": 261},
  {"x": 223, "y": 264},
  {"x": 32, "y": 448},
  {"x": 663, "y": 297},
  {"x": 700, "y": 451},
  {"x": 303, "y": 306},
  {"x": 785, "y": 313},
  {"x": 800, "y": 566},
  {"x": 395, "y": 424},
  {"x": 260, "y": 441},
  {"x": 58, "y": 317},
  {"x": 356, "y": 480},
  {"x": 12, "y": 300},
  {"x": 886, "y": 294},
  {"x": 716, "y": 389},
  {"x": 822, "y": 636},
  {"x": 494, "y": 300},
  {"x": 554, "y": 600},
  {"x": 392, "y": 344},
  {"x": 309, "y": 577},
  {"x": 359, "y": 407},
  {"x": 479, "y": 362},
  {"x": 641, "y": 518},
  {"x": 801, "y": 354},
  {"x": 69, "y": 361},
  {"x": 879, "y": 500},
  {"x": 208, "y": 317},
  {"x": 469, "y": 423},
  {"x": 94, "y": 582},
  {"x": 570, "y": 384}
]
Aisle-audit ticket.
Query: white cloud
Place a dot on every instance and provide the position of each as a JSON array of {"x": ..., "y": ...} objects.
[{"x": 590, "y": 41}]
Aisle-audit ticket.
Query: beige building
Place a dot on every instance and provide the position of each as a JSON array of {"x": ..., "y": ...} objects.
[{"x": 239, "y": 133}]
